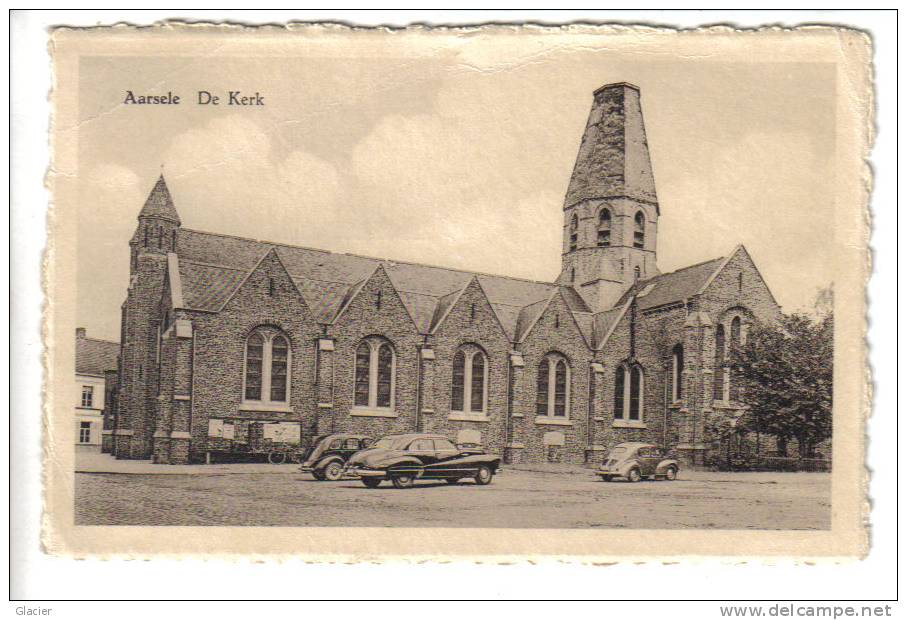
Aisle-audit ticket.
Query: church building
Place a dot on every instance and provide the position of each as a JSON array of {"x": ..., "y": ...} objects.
[{"x": 230, "y": 343}]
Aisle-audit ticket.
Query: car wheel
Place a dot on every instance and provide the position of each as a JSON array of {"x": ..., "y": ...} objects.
[
  {"x": 317, "y": 474},
  {"x": 484, "y": 475},
  {"x": 371, "y": 483},
  {"x": 403, "y": 482},
  {"x": 671, "y": 473},
  {"x": 334, "y": 471},
  {"x": 451, "y": 480},
  {"x": 606, "y": 478},
  {"x": 633, "y": 475},
  {"x": 277, "y": 458}
]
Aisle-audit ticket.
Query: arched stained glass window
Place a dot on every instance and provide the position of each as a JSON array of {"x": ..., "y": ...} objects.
[
  {"x": 458, "y": 393},
  {"x": 363, "y": 357},
  {"x": 266, "y": 377},
  {"x": 385, "y": 370},
  {"x": 677, "y": 372},
  {"x": 718, "y": 373},
  {"x": 619, "y": 387},
  {"x": 553, "y": 387},
  {"x": 636, "y": 393},
  {"x": 374, "y": 374},
  {"x": 541, "y": 402}
]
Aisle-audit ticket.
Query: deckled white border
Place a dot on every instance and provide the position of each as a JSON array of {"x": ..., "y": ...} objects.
[{"x": 277, "y": 581}]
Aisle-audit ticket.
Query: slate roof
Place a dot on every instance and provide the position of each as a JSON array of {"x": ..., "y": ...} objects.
[
  {"x": 213, "y": 266},
  {"x": 94, "y": 356},
  {"x": 602, "y": 322},
  {"x": 159, "y": 203},
  {"x": 674, "y": 286}
]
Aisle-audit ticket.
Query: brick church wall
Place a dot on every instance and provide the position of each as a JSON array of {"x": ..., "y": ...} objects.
[
  {"x": 219, "y": 343},
  {"x": 460, "y": 327},
  {"x": 362, "y": 319},
  {"x": 555, "y": 331}
]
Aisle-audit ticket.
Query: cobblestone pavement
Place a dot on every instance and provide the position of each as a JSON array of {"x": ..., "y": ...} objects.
[{"x": 516, "y": 498}]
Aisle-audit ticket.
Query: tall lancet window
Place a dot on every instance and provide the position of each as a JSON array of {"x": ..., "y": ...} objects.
[
  {"x": 574, "y": 234},
  {"x": 628, "y": 393},
  {"x": 677, "y": 372},
  {"x": 266, "y": 379},
  {"x": 733, "y": 380},
  {"x": 639, "y": 230},
  {"x": 469, "y": 381},
  {"x": 604, "y": 228},
  {"x": 553, "y": 387},
  {"x": 718, "y": 375},
  {"x": 375, "y": 374}
]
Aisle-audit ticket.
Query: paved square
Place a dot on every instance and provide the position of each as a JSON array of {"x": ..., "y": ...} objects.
[{"x": 516, "y": 498}]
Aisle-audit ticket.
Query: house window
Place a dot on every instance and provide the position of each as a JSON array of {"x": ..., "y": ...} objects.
[
  {"x": 87, "y": 396},
  {"x": 604, "y": 228},
  {"x": 267, "y": 367},
  {"x": 374, "y": 374},
  {"x": 677, "y": 372},
  {"x": 639, "y": 230},
  {"x": 470, "y": 381},
  {"x": 719, "y": 375},
  {"x": 85, "y": 432},
  {"x": 628, "y": 393},
  {"x": 553, "y": 387},
  {"x": 574, "y": 223}
]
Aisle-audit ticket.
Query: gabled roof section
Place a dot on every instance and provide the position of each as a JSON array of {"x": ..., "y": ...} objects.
[
  {"x": 674, "y": 286},
  {"x": 528, "y": 316},
  {"x": 212, "y": 266},
  {"x": 271, "y": 252},
  {"x": 159, "y": 203},
  {"x": 740, "y": 249},
  {"x": 207, "y": 287},
  {"x": 604, "y": 323},
  {"x": 444, "y": 305},
  {"x": 416, "y": 311},
  {"x": 94, "y": 356}
]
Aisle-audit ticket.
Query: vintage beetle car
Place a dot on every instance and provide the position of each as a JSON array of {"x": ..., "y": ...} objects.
[
  {"x": 328, "y": 454},
  {"x": 403, "y": 459},
  {"x": 635, "y": 461}
]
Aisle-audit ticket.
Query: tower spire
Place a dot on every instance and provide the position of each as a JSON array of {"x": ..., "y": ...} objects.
[
  {"x": 159, "y": 204},
  {"x": 611, "y": 208},
  {"x": 613, "y": 159}
]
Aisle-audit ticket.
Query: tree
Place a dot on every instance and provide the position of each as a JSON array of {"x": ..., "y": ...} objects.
[{"x": 787, "y": 370}]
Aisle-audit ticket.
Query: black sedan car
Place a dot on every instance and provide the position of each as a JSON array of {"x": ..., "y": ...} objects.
[
  {"x": 328, "y": 454},
  {"x": 403, "y": 459}
]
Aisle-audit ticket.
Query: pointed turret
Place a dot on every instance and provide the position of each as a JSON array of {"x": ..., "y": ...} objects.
[
  {"x": 613, "y": 159},
  {"x": 159, "y": 203}
]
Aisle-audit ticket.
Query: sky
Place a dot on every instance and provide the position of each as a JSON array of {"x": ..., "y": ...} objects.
[{"x": 443, "y": 155}]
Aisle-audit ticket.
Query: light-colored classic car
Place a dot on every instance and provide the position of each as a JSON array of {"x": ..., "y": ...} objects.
[{"x": 636, "y": 461}]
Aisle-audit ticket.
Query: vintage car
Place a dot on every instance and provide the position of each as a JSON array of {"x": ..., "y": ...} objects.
[
  {"x": 635, "y": 461},
  {"x": 329, "y": 453},
  {"x": 403, "y": 459}
]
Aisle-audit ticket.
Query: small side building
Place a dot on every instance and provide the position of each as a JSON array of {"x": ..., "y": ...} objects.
[{"x": 96, "y": 371}]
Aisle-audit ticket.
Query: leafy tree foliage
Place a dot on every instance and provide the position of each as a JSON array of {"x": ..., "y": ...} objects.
[{"x": 787, "y": 371}]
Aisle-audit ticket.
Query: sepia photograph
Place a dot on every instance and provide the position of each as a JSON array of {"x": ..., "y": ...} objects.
[{"x": 482, "y": 283}]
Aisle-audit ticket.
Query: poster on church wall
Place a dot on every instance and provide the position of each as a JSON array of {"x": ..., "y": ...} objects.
[{"x": 602, "y": 282}]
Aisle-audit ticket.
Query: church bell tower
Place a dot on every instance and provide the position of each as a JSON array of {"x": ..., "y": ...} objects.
[{"x": 611, "y": 208}]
